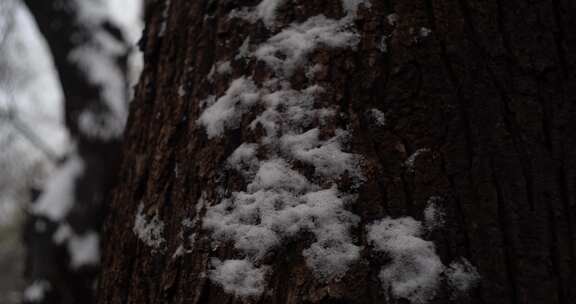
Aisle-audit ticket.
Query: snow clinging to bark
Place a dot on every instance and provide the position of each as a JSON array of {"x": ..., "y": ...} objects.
[
  {"x": 416, "y": 272},
  {"x": 415, "y": 269},
  {"x": 289, "y": 49},
  {"x": 279, "y": 201},
  {"x": 149, "y": 231},
  {"x": 239, "y": 277},
  {"x": 228, "y": 109}
]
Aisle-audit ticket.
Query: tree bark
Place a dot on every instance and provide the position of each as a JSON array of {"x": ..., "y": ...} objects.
[{"x": 478, "y": 104}]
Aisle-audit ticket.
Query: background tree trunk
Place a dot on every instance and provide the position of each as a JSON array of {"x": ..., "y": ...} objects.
[
  {"x": 478, "y": 98},
  {"x": 91, "y": 57}
]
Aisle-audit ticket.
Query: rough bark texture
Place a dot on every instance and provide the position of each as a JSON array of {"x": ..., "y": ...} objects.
[{"x": 489, "y": 93}]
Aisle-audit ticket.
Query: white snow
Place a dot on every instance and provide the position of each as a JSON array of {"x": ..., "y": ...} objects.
[
  {"x": 276, "y": 174},
  {"x": 59, "y": 196},
  {"x": 279, "y": 201},
  {"x": 287, "y": 50},
  {"x": 36, "y": 291},
  {"x": 84, "y": 249},
  {"x": 126, "y": 14},
  {"x": 224, "y": 68},
  {"x": 98, "y": 57},
  {"x": 327, "y": 156},
  {"x": 30, "y": 90},
  {"x": 228, "y": 109},
  {"x": 147, "y": 230},
  {"x": 415, "y": 270},
  {"x": 62, "y": 234},
  {"x": 271, "y": 211},
  {"x": 243, "y": 158},
  {"x": 239, "y": 277},
  {"x": 288, "y": 109},
  {"x": 264, "y": 11}
]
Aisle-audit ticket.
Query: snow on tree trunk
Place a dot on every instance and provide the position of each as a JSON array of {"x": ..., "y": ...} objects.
[{"x": 353, "y": 151}]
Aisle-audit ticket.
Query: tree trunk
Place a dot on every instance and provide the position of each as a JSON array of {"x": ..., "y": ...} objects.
[
  {"x": 62, "y": 231},
  {"x": 459, "y": 111}
]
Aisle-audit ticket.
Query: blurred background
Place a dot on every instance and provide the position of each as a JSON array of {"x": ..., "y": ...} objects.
[{"x": 66, "y": 72}]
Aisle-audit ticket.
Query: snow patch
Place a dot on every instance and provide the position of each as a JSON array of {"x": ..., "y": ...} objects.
[
  {"x": 149, "y": 231},
  {"x": 265, "y": 11},
  {"x": 84, "y": 250},
  {"x": 287, "y": 50},
  {"x": 59, "y": 196},
  {"x": 239, "y": 277},
  {"x": 242, "y": 159},
  {"x": 414, "y": 272},
  {"x": 224, "y": 68},
  {"x": 279, "y": 202},
  {"x": 228, "y": 109},
  {"x": 98, "y": 60},
  {"x": 326, "y": 156},
  {"x": 36, "y": 291}
]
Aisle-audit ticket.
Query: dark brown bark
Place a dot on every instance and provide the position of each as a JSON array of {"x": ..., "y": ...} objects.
[{"x": 489, "y": 93}]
